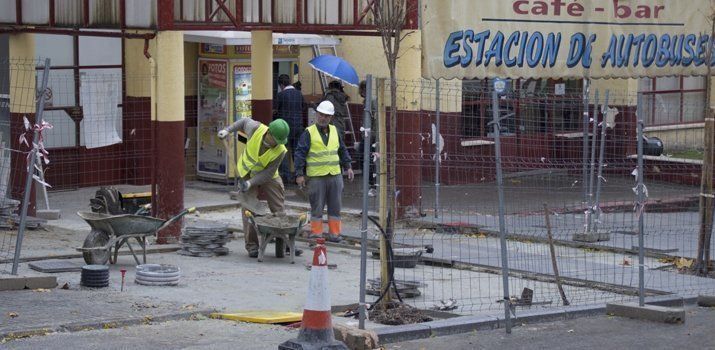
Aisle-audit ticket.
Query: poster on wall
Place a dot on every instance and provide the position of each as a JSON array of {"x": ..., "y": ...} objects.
[
  {"x": 241, "y": 92},
  {"x": 565, "y": 38},
  {"x": 212, "y": 115}
]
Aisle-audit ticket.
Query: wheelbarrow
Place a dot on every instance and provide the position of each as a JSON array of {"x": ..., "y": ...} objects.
[
  {"x": 281, "y": 228},
  {"x": 111, "y": 232}
]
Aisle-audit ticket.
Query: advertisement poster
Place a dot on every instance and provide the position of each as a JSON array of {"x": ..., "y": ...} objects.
[
  {"x": 212, "y": 115},
  {"x": 241, "y": 92}
]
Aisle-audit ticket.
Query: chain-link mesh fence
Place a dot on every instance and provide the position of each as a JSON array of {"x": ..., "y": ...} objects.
[
  {"x": 579, "y": 168},
  {"x": 20, "y": 85}
]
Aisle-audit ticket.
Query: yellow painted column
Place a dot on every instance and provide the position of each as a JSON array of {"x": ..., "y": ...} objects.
[
  {"x": 22, "y": 104},
  {"x": 168, "y": 98},
  {"x": 262, "y": 75},
  {"x": 22, "y": 73},
  {"x": 409, "y": 72}
]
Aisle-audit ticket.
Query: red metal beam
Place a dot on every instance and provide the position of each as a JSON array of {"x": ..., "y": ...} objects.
[
  {"x": 52, "y": 13},
  {"x": 106, "y": 66},
  {"x": 340, "y": 11},
  {"x": 239, "y": 11},
  {"x": 302, "y": 29},
  {"x": 85, "y": 13},
  {"x": 47, "y": 30},
  {"x": 165, "y": 9},
  {"x": 355, "y": 11},
  {"x": 368, "y": 7},
  {"x": 122, "y": 14},
  {"x": 298, "y": 12},
  {"x": 226, "y": 10},
  {"x": 18, "y": 12},
  {"x": 305, "y": 12},
  {"x": 413, "y": 10}
]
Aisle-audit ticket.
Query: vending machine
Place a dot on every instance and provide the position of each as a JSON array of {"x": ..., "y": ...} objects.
[{"x": 224, "y": 96}]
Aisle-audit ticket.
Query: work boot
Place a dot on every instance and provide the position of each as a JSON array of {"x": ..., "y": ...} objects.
[
  {"x": 334, "y": 238},
  {"x": 253, "y": 253}
]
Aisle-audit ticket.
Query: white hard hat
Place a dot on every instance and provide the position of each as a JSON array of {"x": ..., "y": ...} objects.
[{"x": 326, "y": 107}]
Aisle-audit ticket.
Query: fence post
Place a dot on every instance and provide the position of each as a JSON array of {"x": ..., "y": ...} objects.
[
  {"x": 602, "y": 149},
  {"x": 640, "y": 208},
  {"x": 367, "y": 124},
  {"x": 39, "y": 109},
  {"x": 498, "y": 87},
  {"x": 584, "y": 154},
  {"x": 437, "y": 154},
  {"x": 592, "y": 167}
]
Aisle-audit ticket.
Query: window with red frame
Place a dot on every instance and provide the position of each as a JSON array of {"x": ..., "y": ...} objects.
[{"x": 672, "y": 100}]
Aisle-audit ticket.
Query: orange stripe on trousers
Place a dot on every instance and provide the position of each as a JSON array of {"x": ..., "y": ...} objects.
[
  {"x": 334, "y": 226},
  {"x": 316, "y": 227}
]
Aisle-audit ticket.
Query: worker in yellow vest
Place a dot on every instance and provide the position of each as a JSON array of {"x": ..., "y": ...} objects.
[
  {"x": 258, "y": 168},
  {"x": 321, "y": 155}
]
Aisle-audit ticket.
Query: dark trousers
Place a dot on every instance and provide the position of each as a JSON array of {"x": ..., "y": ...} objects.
[{"x": 359, "y": 153}]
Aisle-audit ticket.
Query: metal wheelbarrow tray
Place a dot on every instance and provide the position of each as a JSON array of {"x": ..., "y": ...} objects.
[
  {"x": 281, "y": 228},
  {"x": 111, "y": 232}
]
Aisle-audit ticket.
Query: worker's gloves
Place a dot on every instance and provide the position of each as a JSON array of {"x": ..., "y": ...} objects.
[
  {"x": 244, "y": 185},
  {"x": 222, "y": 134},
  {"x": 300, "y": 180}
]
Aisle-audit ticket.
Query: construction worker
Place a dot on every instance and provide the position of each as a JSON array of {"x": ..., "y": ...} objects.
[
  {"x": 321, "y": 155},
  {"x": 258, "y": 168}
]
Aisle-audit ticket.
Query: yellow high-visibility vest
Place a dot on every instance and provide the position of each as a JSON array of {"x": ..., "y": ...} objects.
[
  {"x": 323, "y": 159},
  {"x": 251, "y": 162}
]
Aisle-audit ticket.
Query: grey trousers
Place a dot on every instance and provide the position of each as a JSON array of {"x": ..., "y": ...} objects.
[
  {"x": 324, "y": 190},
  {"x": 275, "y": 193}
]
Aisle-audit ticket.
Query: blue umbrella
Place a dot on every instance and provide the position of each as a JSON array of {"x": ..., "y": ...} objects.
[{"x": 335, "y": 67}]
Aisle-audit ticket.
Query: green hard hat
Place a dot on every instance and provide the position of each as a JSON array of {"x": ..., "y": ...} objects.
[{"x": 280, "y": 130}]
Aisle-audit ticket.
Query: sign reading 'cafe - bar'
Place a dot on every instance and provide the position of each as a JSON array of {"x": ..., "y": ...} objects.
[{"x": 565, "y": 38}]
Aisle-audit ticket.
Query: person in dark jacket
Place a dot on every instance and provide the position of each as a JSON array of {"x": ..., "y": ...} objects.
[
  {"x": 372, "y": 192},
  {"x": 288, "y": 106},
  {"x": 339, "y": 99}
]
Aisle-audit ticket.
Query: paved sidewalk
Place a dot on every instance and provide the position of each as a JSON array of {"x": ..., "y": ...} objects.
[{"x": 603, "y": 332}]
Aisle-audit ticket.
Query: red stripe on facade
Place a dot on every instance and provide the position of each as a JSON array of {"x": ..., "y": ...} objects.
[{"x": 262, "y": 110}]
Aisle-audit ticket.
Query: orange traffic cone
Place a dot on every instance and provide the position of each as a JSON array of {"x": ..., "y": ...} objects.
[{"x": 316, "y": 331}]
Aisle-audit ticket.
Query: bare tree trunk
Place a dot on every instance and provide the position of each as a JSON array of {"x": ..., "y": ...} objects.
[
  {"x": 393, "y": 139},
  {"x": 702, "y": 263},
  {"x": 389, "y": 16}
]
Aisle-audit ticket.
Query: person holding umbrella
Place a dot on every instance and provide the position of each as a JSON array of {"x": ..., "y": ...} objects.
[
  {"x": 337, "y": 96},
  {"x": 321, "y": 155}
]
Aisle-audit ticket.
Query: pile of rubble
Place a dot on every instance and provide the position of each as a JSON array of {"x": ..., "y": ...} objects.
[{"x": 204, "y": 240}]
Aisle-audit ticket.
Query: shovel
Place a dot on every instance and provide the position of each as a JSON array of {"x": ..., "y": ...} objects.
[{"x": 250, "y": 203}]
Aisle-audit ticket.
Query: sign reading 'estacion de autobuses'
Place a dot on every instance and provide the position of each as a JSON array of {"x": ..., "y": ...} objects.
[{"x": 565, "y": 38}]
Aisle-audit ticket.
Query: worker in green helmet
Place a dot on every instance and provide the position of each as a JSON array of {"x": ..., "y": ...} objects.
[{"x": 258, "y": 168}]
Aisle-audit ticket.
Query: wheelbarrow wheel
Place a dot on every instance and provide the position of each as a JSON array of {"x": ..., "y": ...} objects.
[
  {"x": 96, "y": 238},
  {"x": 280, "y": 247}
]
